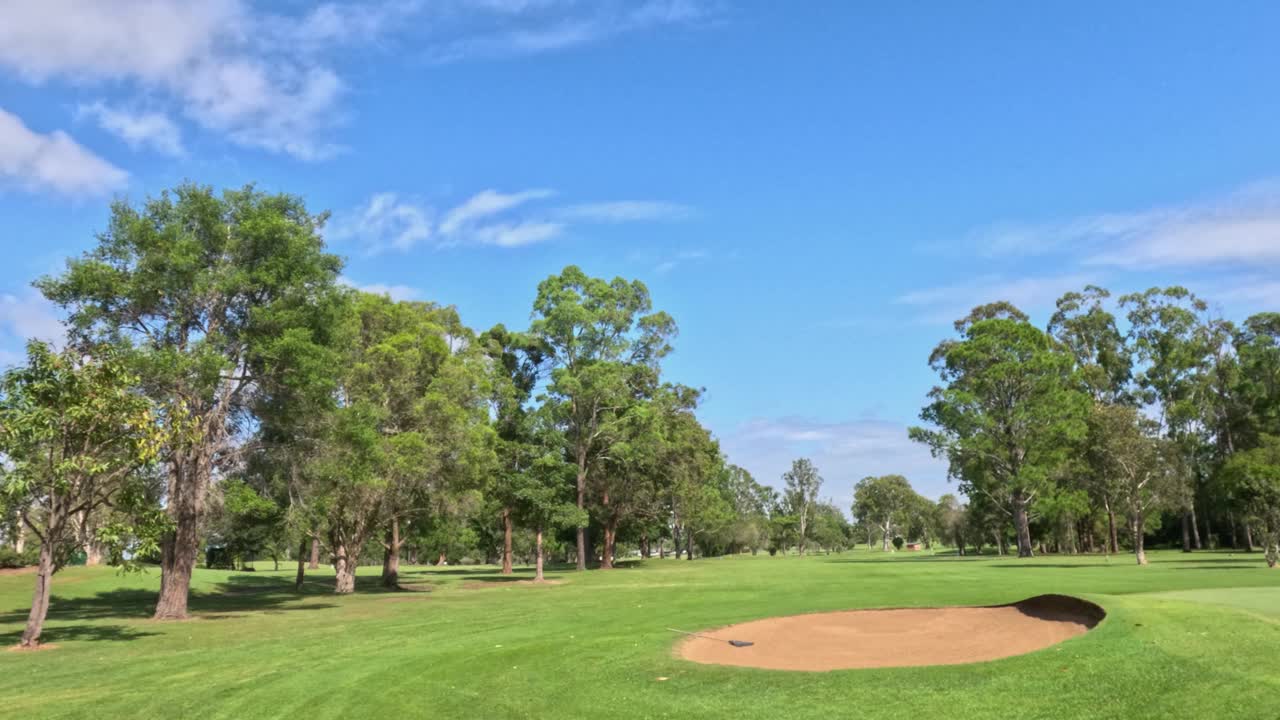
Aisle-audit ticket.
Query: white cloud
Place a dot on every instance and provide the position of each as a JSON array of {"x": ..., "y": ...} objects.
[
  {"x": 503, "y": 28},
  {"x": 624, "y": 211},
  {"x": 1241, "y": 229},
  {"x": 517, "y": 234},
  {"x": 152, "y": 130},
  {"x": 35, "y": 161},
  {"x": 30, "y": 316},
  {"x": 219, "y": 61},
  {"x": 490, "y": 217},
  {"x": 386, "y": 222},
  {"x": 395, "y": 292},
  {"x": 484, "y": 204},
  {"x": 844, "y": 452},
  {"x": 947, "y": 303}
]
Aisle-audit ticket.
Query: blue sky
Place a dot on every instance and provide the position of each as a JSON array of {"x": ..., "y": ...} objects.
[{"x": 814, "y": 190}]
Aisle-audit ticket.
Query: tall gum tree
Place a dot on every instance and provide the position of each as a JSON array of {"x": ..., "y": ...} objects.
[
  {"x": 802, "y": 483},
  {"x": 196, "y": 288},
  {"x": 1008, "y": 413},
  {"x": 1082, "y": 323},
  {"x": 884, "y": 502},
  {"x": 1172, "y": 342},
  {"x": 593, "y": 332}
]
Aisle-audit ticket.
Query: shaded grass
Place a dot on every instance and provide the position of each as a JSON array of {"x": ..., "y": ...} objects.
[{"x": 1174, "y": 644}]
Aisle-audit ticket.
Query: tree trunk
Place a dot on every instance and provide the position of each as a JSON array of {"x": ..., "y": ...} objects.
[
  {"x": 1113, "y": 531},
  {"x": 391, "y": 558},
  {"x": 884, "y": 537},
  {"x": 537, "y": 568},
  {"x": 1248, "y": 538},
  {"x": 662, "y": 548},
  {"x": 644, "y": 546},
  {"x": 1186, "y": 533},
  {"x": 442, "y": 560},
  {"x": 675, "y": 545},
  {"x": 582, "y": 506},
  {"x": 506, "y": 541},
  {"x": 1139, "y": 530},
  {"x": 1023, "y": 525},
  {"x": 688, "y": 544},
  {"x": 40, "y": 598},
  {"x": 188, "y": 480},
  {"x": 1235, "y": 541},
  {"x": 314, "y": 564},
  {"x": 1195, "y": 526},
  {"x": 610, "y": 532},
  {"x": 998, "y": 535},
  {"x": 344, "y": 569},
  {"x": 302, "y": 565}
]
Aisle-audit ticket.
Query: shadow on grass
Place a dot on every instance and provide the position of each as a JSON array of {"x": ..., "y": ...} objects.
[
  {"x": 237, "y": 594},
  {"x": 75, "y": 633}
]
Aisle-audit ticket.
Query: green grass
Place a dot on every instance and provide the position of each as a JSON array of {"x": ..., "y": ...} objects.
[{"x": 1188, "y": 636}]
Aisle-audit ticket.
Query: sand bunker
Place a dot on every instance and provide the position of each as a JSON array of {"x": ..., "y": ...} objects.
[{"x": 897, "y": 638}]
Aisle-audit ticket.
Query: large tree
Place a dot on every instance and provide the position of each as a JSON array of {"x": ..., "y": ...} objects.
[
  {"x": 802, "y": 483},
  {"x": 1140, "y": 468},
  {"x": 1173, "y": 344},
  {"x": 883, "y": 502},
  {"x": 76, "y": 436},
  {"x": 595, "y": 332},
  {"x": 198, "y": 289},
  {"x": 1008, "y": 414},
  {"x": 1253, "y": 482}
]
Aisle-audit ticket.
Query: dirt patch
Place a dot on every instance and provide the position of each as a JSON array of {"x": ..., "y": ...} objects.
[
  {"x": 37, "y": 648},
  {"x": 481, "y": 585},
  {"x": 905, "y": 637},
  {"x": 18, "y": 571}
]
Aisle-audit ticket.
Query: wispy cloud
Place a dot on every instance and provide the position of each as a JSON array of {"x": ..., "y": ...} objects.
[
  {"x": 395, "y": 292},
  {"x": 844, "y": 452},
  {"x": 384, "y": 222},
  {"x": 153, "y": 130},
  {"x": 946, "y": 303},
  {"x": 486, "y": 204},
  {"x": 28, "y": 316},
  {"x": 1241, "y": 229},
  {"x": 625, "y": 211},
  {"x": 680, "y": 258},
  {"x": 501, "y": 28},
  {"x": 490, "y": 217},
  {"x": 54, "y": 161}
]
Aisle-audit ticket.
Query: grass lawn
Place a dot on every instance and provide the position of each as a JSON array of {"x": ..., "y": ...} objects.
[{"x": 1189, "y": 636}]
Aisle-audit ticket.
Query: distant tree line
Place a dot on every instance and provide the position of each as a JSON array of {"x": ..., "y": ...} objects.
[{"x": 1100, "y": 430}]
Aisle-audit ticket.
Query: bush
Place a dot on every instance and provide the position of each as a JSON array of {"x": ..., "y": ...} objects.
[
  {"x": 898, "y": 542},
  {"x": 10, "y": 558}
]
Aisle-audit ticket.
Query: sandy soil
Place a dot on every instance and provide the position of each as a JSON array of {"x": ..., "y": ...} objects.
[{"x": 896, "y": 638}]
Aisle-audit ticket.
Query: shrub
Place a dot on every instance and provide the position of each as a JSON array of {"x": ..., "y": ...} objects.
[
  {"x": 898, "y": 542},
  {"x": 10, "y": 558}
]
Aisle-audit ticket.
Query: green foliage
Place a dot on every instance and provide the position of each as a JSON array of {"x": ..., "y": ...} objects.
[{"x": 10, "y": 558}]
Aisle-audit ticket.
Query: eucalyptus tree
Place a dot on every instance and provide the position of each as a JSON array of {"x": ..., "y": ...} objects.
[
  {"x": 802, "y": 483},
  {"x": 76, "y": 436},
  {"x": 1253, "y": 483},
  {"x": 1141, "y": 467},
  {"x": 1171, "y": 340},
  {"x": 198, "y": 290},
  {"x": 951, "y": 521},
  {"x": 883, "y": 502},
  {"x": 595, "y": 332},
  {"x": 516, "y": 361},
  {"x": 1008, "y": 414},
  {"x": 1104, "y": 366}
]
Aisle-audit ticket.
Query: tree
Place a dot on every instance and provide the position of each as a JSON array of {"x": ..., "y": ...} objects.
[
  {"x": 1008, "y": 414},
  {"x": 595, "y": 333},
  {"x": 76, "y": 436},
  {"x": 1141, "y": 469},
  {"x": 952, "y": 521},
  {"x": 1104, "y": 367},
  {"x": 1253, "y": 483},
  {"x": 802, "y": 484},
  {"x": 883, "y": 501},
  {"x": 1170, "y": 337},
  {"x": 198, "y": 290}
]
